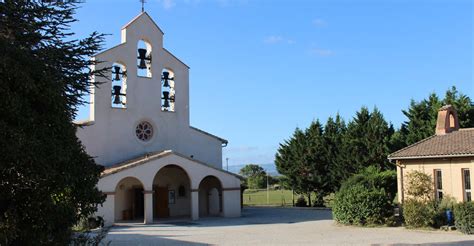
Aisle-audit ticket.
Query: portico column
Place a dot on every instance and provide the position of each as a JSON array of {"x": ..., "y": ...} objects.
[
  {"x": 148, "y": 195},
  {"x": 195, "y": 204},
  {"x": 107, "y": 209}
]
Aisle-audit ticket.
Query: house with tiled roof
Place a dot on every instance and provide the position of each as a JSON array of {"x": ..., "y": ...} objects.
[{"x": 447, "y": 156}]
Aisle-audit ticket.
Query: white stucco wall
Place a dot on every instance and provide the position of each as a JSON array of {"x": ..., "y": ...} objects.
[
  {"x": 111, "y": 138},
  {"x": 146, "y": 172}
]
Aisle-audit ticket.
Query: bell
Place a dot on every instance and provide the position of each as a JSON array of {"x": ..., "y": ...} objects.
[
  {"x": 116, "y": 94},
  {"x": 166, "y": 103},
  {"x": 117, "y": 73},
  {"x": 142, "y": 57},
  {"x": 166, "y": 78}
]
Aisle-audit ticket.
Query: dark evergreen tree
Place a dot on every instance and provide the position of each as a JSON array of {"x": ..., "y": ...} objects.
[
  {"x": 421, "y": 119},
  {"x": 302, "y": 160},
  {"x": 367, "y": 141},
  {"x": 422, "y": 116},
  {"x": 335, "y": 151},
  {"x": 47, "y": 180}
]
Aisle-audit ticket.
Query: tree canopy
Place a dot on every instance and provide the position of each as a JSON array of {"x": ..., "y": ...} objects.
[
  {"x": 47, "y": 180},
  {"x": 254, "y": 175},
  {"x": 320, "y": 157}
]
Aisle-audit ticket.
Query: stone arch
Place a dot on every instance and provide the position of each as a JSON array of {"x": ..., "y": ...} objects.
[
  {"x": 210, "y": 196},
  {"x": 144, "y": 59},
  {"x": 119, "y": 85},
  {"x": 171, "y": 192},
  {"x": 129, "y": 200}
]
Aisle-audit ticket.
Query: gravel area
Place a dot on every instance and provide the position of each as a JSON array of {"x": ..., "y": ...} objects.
[{"x": 276, "y": 226}]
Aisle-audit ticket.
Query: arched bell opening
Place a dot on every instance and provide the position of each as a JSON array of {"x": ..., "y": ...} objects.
[
  {"x": 129, "y": 201},
  {"x": 168, "y": 92},
  {"x": 210, "y": 197},
  {"x": 144, "y": 59},
  {"x": 172, "y": 193},
  {"x": 119, "y": 86}
]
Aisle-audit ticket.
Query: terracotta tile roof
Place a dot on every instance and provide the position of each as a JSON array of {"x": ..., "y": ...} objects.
[
  {"x": 152, "y": 156},
  {"x": 455, "y": 144}
]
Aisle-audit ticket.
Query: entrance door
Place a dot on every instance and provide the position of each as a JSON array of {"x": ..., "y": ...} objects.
[
  {"x": 162, "y": 202},
  {"x": 138, "y": 205}
]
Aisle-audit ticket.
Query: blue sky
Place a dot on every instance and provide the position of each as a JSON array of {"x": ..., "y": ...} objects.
[{"x": 261, "y": 68}]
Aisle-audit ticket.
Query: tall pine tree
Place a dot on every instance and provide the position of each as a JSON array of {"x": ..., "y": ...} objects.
[{"x": 47, "y": 180}]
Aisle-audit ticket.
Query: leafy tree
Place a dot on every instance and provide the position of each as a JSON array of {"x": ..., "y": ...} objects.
[
  {"x": 47, "y": 180},
  {"x": 255, "y": 176},
  {"x": 419, "y": 186}
]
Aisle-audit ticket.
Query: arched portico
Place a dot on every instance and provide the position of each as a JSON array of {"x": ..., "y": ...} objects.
[
  {"x": 196, "y": 187},
  {"x": 129, "y": 200},
  {"x": 210, "y": 197},
  {"x": 171, "y": 193}
]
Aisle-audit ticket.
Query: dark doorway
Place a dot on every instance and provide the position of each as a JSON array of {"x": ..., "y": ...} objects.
[{"x": 161, "y": 204}]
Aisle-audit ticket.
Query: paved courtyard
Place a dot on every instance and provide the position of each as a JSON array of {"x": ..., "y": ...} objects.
[{"x": 276, "y": 226}]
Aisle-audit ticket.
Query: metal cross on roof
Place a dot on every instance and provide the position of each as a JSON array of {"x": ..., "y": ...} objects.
[{"x": 143, "y": 5}]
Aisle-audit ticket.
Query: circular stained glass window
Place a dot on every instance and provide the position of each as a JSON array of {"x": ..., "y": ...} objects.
[{"x": 144, "y": 131}]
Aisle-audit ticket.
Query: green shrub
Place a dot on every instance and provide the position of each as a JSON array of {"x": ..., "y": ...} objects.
[
  {"x": 366, "y": 197},
  {"x": 464, "y": 217},
  {"x": 360, "y": 205},
  {"x": 418, "y": 213},
  {"x": 373, "y": 177}
]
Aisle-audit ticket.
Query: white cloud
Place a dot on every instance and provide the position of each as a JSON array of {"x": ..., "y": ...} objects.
[
  {"x": 321, "y": 52},
  {"x": 319, "y": 23},
  {"x": 275, "y": 39},
  {"x": 167, "y": 4}
]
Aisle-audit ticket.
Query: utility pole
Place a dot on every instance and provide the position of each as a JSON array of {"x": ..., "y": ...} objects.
[
  {"x": 268, "y": 194},
  {"x": 227, "y": 163}
]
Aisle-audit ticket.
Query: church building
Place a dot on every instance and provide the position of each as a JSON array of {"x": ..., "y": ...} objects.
[{"x": 157, "y": 166}]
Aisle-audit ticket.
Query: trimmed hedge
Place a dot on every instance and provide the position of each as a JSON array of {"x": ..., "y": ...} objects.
[
  {"x": 360, "y": 205},
  {"x": 464, "y": 217}
]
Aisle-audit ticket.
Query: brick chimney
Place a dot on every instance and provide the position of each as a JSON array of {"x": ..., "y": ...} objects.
[{"x": 447, "y": 120}]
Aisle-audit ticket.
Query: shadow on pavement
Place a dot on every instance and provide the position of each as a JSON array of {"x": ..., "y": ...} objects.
[{"x": 143, "y": 239}]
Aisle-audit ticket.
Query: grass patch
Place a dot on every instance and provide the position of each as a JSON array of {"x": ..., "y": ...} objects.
[{"x": 275, "y": 197}]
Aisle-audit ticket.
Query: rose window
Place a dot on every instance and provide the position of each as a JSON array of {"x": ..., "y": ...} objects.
[{"x": 144, "y": 131}]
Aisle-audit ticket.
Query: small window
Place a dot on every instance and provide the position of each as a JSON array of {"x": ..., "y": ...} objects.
[
  {"x": 168, "y": 98},
  {"x": 144, "y": 59},
  {"x": 119, "y": 86},
  {"x": 466, "y": 178},
  {"x": 181, "y": 191},
  {"x": 438, "y": 184},
  {"x": 144, "y": 131}
]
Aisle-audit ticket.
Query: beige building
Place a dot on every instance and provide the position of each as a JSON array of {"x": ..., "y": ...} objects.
[
  {"x": 448, "y": 157},
  {"x": 157, "y": 166}
]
